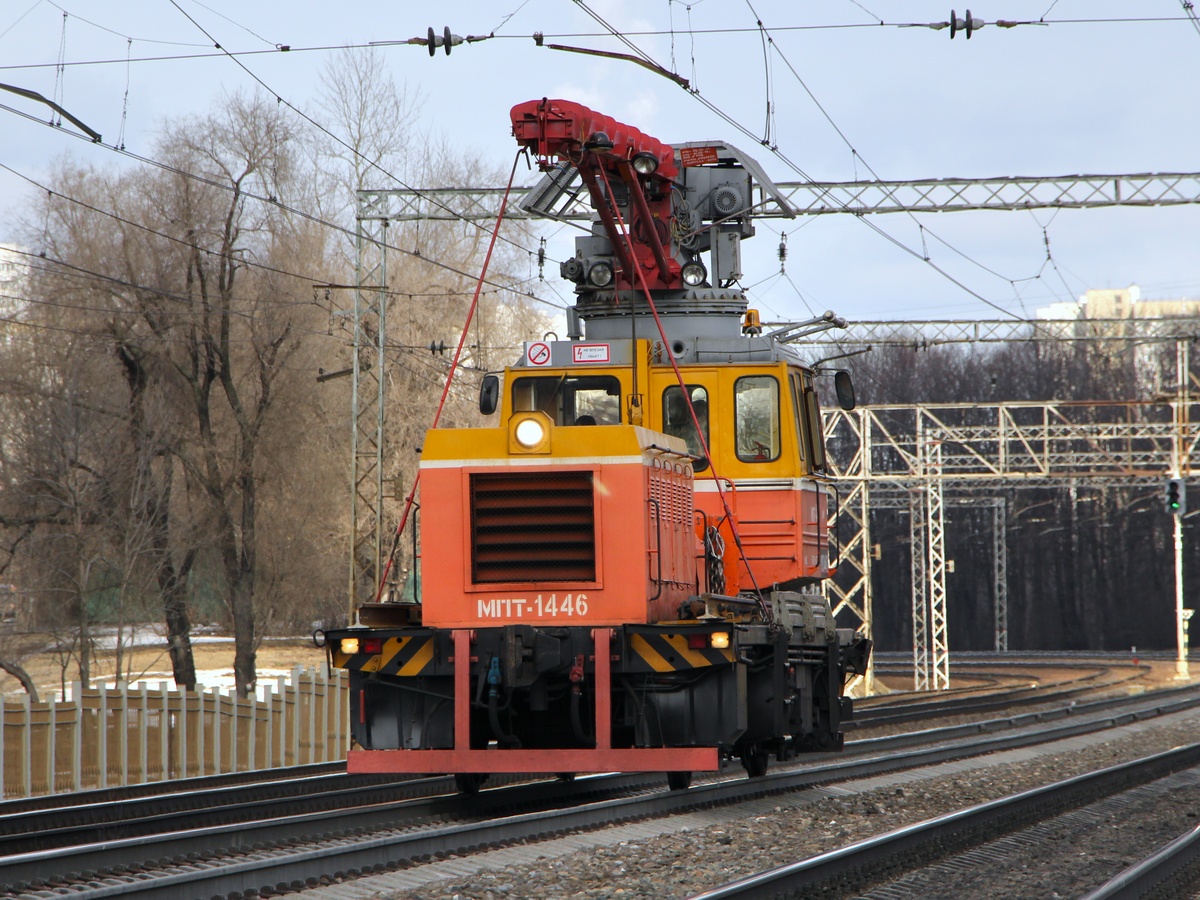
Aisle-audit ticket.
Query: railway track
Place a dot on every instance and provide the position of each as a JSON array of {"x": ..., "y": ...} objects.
[
  {"x": 118, "y": 813},
  {"x": 274, "y": 854},
  {"x": 995, "y": 686},
  {"x": 1170, "y": 870},
  {"x": 997, "y": 834},
  {"x": 57, "y": 820}
]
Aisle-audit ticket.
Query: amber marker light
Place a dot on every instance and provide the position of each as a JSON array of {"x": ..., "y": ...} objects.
[
  {"x": 720, "y": 640},
  {"x": 349, "y": 646}
]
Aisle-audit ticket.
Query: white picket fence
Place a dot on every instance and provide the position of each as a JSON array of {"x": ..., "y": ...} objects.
[{"x": 104, "y": 737}]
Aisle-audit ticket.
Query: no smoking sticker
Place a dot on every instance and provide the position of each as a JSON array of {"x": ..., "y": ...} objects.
[{"x": 537, "y": 353}]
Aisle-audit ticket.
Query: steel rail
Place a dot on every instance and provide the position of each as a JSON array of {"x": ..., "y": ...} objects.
[
  {"x": 1177, "y": 859},
  {"x": 907, "y": 710},
  {"x": 428, "y": 797},
  {"x": 857, "y": 863},
  {"x": 62, "y": 820},
  {"x": 123, "y": 793},
  {"x": 319, "y": 845},
  {"x": 69, "y": 819}
]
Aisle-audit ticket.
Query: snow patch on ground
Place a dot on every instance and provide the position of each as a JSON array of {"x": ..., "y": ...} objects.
[
  {"x": 154, "y": 635},
  {"x": 210, "y": 680}
]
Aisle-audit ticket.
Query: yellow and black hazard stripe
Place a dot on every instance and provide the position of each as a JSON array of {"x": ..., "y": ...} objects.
[
  {"x": 663, "y": 651},
  {"x": 403, "y": 656}
]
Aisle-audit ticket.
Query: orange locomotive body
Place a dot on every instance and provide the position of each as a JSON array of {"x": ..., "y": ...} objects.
[
  {"x": 624, "y": 573},
  {"x": 530, "y": 544}
]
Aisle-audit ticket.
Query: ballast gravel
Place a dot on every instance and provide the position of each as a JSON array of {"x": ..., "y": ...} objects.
[{"x": 685, "y": 854}]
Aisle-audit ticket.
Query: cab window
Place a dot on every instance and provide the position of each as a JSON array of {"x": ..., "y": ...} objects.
[
  {"x": 570, "y": 399},
  {"x": 756, "y": 417},
  {"x": 799, "y": 414},
  {"x": 810, "y": 412},
  {"x": 812, "y": 416},
  {"x": 677, "y": 421}
]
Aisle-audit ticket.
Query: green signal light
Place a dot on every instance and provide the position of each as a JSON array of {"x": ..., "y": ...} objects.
[{"x": 1175, "y": 498}]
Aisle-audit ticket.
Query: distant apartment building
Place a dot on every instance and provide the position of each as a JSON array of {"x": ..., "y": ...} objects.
[
  {"x": 1156, "y": 373},
  {"x": 1119, "y": 303}
]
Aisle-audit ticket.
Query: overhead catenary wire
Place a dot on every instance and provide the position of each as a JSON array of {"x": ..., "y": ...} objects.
[
  {"x": 370, "y": 163},
  {"x": 312, "y": 278},
  {"x": 145, "y": 228},
  {"x": 462, "y": 339},
  {"x": 1189, "y": 10},
  {"x": 363, "y": 45},
  {"x": 924, "y": 257},
  {"x": 17, "y": 319},
  {"x": 86, "y": 275},
  {"x": 119, "y": 34},
  {"x": 20, "y": 18},
  {"x": 327, "y": 132},
  {"x": 743, "y": 129},
  {"x": 274, "y": 201},
  {"x": 780, "y": 28}
]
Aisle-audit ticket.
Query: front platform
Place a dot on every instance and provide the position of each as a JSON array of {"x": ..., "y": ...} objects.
[{"x": 443, "y": 762}]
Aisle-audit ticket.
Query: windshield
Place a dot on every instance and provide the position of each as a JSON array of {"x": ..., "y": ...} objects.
[{"x": 570, "y": 399}]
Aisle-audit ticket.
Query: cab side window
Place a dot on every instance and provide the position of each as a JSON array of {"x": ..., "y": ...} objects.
[
  {"x": 756, "y": 418},
  {"x": 812, "y": 416},
  {"x": 677, "y": 421},
  {"x": 800, "y": 417}
]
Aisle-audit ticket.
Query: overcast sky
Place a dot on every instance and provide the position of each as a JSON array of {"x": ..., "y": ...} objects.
[{"x": 1102, "y": 87}]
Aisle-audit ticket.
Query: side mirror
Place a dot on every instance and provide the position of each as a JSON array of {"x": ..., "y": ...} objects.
[
  {"x": 489, "y": 394},
  {"x": 844, "y": 387}
]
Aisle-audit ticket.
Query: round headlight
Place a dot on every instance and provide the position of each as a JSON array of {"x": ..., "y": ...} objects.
[
  {"x": 693, "y": 274},
  {"x": 601, "y": 274},
  {"x": 645, "y": 163},
  {"x": 529, "y": 433}
]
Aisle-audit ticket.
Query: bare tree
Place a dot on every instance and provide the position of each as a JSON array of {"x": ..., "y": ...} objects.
[
  {"x": 369, "y": 132},
  {"x": 189, "y": 294},
  {"x": 185, "y": 294},
  {"x": 232, "y": 347},
  {"x": 430, "y": 264}
]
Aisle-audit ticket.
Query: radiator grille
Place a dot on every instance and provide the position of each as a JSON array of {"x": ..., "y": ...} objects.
[{"x": 532, "y": 527}]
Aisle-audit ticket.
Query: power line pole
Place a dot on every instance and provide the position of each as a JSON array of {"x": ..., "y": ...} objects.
[
  {"x": 367, "y": 395},
  {"x": 1180, "y": 468},
  {"x": 1000, "y": 570},
  {"x": 985, "y": 448}
]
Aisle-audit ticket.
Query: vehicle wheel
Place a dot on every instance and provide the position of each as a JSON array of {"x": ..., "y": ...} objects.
[
  {"x": 679, "y": 781},
  {"x": 755, "y": 759},
  {"x": 470, "y": 782}
]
